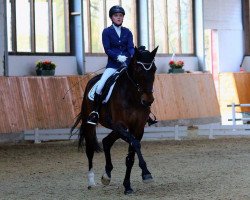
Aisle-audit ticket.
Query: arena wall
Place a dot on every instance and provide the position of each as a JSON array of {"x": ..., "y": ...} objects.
[
  {"x": 234, "y": 88},
  {"x": 54, "y": 102}
]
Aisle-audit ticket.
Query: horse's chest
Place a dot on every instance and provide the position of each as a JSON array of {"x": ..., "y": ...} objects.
[
  {"x": 130, "y": 106},
  {"x": 133, "y": 109}
]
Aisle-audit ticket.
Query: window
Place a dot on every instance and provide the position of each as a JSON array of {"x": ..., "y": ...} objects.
[
  {"x": 96, "y": 18},
  {"x": 208, "y": 49},
  {"x": 171, "y": 26},
  {"x": 211, "y": 51},
  {"x": 38, "y": 26}
]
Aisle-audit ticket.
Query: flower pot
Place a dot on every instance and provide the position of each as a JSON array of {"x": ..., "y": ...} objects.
[
  {"x": 176, "y": 70},
  {"x": 39, "y": 72},
  {"x": 48, "y": 72}
]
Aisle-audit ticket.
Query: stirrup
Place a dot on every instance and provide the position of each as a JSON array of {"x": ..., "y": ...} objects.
[
  {"x": 93, "y": 118},
  {"x": 151, "y": 121}
]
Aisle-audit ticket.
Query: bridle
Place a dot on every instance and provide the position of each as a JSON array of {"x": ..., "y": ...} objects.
[
  {"x": 143, "y": 64},
  {"x": 138, "y": 87}
]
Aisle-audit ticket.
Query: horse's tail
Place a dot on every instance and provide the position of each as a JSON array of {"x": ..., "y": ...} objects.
[
  {"x": 86, "y": 133},
  {"x": 78, "y": 120},
  {"x": 87, "y": 136}
]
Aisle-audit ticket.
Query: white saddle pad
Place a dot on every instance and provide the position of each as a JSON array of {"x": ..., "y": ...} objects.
[{"x": 91, "y": 93}]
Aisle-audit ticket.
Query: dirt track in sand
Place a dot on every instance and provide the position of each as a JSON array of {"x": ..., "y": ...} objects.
[{"x": 191, "y": 169}]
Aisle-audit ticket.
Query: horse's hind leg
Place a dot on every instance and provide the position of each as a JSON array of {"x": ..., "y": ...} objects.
[
  {"x": 90, "y": 138},
  {"x": 129, "y": 164},
  {"x": 108, "y": 142}
]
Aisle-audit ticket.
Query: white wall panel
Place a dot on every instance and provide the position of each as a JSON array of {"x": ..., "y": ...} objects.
[
  {"x": 231, "y": 50},
  {"x": 25, "y": 65},
  {"x": 225, "y": 16},
  {"x": 222, "y": 14}
]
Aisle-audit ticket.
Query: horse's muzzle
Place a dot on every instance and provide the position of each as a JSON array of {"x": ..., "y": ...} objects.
[{"x": 147, "y": 99}]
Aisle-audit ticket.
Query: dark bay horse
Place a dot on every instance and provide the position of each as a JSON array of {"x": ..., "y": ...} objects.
[{"x": 125, "y": 113}]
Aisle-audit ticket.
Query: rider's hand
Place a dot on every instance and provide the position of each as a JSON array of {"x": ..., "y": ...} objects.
[{"x": 121, "y": 58}]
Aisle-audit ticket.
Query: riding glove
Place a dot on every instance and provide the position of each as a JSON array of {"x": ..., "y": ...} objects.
[{"x": 121, "y": 58}]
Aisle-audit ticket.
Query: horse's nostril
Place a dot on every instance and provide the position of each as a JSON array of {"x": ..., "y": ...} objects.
[
  {"x": 146, "y": 103},
  {"x": 150, "y": 103}
]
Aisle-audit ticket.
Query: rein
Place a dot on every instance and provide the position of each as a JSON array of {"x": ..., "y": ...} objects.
[
  {"x": 82, "y": 78},
  {"x": 134, "y": 83}
]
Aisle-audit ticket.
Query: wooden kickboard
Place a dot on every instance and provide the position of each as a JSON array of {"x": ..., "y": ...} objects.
[
  {"x": 53, "y": 102},
  {"x": 234, "y": 88}
]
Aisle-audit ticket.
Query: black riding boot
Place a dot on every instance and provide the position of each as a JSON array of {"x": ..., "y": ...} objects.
[
  {"x": 94, "y": 115},
  {"x": 151, "y": 121}
]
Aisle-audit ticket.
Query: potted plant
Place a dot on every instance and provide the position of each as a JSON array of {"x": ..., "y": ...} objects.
[
  {"x": 176, "y": 66},
  {"x": 45, "y": 68}
]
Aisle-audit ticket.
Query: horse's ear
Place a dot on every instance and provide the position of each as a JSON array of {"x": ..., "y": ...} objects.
[{"x": 153, "y": 53}]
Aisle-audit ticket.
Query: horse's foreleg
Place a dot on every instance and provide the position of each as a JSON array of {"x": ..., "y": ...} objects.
[
  {"x": 107, "y": 144},
  {"x": 128, "y": 137},
  {"x": 129, "y": 164},
  {"x": 146, "y": 175}
]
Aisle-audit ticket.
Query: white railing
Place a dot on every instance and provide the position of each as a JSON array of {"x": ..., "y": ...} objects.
[
  {"x": 234, "y": 119},
  {"x": 39, "y": 135},
  {"x": 150, "y": 133},
  {"x": 176, "y": 132}
]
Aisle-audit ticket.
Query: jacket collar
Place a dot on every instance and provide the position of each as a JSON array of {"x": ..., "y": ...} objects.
[
  {"x": 111, "y": 26},
  {"x": 113, "y": 29}
]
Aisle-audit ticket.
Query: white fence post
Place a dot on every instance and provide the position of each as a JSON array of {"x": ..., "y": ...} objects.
[
  {"x": 211, "y": 132},
  {"x": 37, "y": 140},
  {"x": 233, "y": 116},
  {"x": 176, "y": 132}
]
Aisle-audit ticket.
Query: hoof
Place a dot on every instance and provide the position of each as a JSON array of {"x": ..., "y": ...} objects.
[
  {"x": 128, "y": 192},
  {"x": 105, "y": 179},
  {"x": 147, "y": 178},
  {"x": 90, "y": 187}
]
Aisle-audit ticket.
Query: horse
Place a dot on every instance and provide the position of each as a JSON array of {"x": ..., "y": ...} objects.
[{"x": 125, "y": 113}]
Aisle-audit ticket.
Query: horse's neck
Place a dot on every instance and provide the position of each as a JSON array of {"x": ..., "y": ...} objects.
[{"x": 126, "y": 85}]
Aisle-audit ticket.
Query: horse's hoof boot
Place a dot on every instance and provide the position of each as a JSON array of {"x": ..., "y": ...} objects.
[{"x": 147, "y": 178}]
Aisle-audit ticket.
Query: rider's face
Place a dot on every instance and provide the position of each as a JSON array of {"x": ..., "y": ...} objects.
[{"x": 117, "y": 18}]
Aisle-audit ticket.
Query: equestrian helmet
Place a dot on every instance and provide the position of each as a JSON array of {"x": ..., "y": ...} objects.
[{"x": 116, "y": 9}]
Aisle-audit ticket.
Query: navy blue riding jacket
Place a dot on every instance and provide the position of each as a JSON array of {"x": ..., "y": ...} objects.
[{"x": 115, "y": 45}]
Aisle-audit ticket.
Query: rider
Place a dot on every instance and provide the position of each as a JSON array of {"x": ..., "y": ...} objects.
[{"x": 119, "y": 47}]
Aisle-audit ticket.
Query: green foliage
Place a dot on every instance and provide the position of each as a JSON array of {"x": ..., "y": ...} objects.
[{"x": 45, "y": 65}]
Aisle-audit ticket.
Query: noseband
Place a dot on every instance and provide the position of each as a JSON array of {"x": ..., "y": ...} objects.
[{"x": 138, "y": 87}]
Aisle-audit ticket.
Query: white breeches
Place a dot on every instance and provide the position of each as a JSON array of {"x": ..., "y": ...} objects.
[{"x": 106, "y": 74}]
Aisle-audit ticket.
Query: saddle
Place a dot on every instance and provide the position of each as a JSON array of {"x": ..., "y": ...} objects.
[{"x": 108, "y": 86}]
